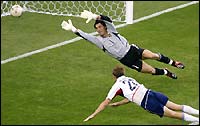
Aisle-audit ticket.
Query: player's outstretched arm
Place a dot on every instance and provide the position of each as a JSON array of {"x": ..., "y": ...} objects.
[
  {"x": 68, "y": 26},
  {"x": 89, "y": 16},
  {"x": 101, "y": 107},
  {"x": 122, "y": 102}
]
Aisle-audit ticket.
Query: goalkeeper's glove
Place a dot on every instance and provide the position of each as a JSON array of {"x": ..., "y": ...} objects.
[
  {"x": 88, "y": 15},
  {"x": 68, "y": 26}
]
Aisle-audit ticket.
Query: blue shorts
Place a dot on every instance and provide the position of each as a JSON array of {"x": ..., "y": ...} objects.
[{"x": 154, "y": 102}]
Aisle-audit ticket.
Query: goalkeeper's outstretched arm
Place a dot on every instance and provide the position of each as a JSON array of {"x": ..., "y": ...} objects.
[
  {"x": 90, "y": 38},
  {"x": 93, "y": 39},
  {"x": 69, "y": 26},
  {"x": 89, "y": 16}
]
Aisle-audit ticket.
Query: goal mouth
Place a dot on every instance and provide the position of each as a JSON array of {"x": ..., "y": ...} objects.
[{"x": 116, "y": 10}]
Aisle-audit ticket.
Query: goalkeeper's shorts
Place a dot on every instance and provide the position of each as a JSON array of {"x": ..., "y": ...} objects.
[{"x": 133, "y": 58}]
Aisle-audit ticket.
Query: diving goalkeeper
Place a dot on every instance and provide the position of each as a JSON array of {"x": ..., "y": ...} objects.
[{"x": 112, "y": 43}]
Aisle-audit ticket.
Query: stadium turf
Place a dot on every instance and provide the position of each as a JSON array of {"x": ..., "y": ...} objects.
[{"x": 66, "y": 84}]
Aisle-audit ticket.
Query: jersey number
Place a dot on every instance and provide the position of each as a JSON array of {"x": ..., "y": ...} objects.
[{"x": 131, "y": 84}]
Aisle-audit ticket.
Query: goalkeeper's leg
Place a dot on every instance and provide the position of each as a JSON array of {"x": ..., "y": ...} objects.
[
  {"x": 147, "y": 54},
  {"x": 146, "y": 68}
]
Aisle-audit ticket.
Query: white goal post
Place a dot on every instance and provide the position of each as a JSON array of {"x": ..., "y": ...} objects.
[
  {"x": 129, "y": 12},
  {"x": 120, "y": 11}
]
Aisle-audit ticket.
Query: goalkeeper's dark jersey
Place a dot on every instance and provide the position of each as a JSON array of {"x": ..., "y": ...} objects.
[{"x": 115, "y": 45}]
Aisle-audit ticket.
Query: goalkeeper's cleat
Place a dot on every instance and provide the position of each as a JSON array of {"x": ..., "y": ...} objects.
[
  {"x": 178, "y": 64},
  {"x": 170, "y": 74}
]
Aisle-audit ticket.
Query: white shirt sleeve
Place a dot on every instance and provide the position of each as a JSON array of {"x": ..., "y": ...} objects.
[{"x": 113, "y": 91}]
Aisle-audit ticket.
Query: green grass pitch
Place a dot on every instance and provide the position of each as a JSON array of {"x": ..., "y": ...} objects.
[{"x": 66, "y": 84}]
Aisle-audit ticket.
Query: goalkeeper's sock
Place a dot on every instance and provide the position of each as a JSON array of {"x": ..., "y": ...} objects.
[
  {"x": 159, "y": 71},
  {"x": 190, "y": 110},
  {"x": 164, "y": 59},
  {"x": 190, "y": 118}
]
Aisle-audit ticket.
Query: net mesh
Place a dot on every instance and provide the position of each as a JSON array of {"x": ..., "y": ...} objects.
[{"x": 114, "y": 9}]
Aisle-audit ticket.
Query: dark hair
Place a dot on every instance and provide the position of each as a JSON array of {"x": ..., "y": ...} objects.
[
  {"x": 118, "y": 71},
  {"x": 99, "y": 21}
]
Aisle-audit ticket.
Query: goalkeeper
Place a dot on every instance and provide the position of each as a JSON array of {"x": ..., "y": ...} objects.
[{"x": 111, "y": 42}]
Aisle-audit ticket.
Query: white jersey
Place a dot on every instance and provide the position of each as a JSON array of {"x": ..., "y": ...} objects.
[
  {"x": 129, "y": 88},
  {"x": 115, "y": 45}
]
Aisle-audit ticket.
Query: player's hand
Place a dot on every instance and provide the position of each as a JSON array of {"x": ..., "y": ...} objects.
[
  {"x": 88, "y": 118},
  {"x": 68, "y": 25},
  {"x": 88, "y": 15}
]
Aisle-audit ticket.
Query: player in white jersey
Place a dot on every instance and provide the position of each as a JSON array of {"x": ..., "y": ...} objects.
[
  {"x": 111, "y": 42},
  {"x": 152, "y": 101}
]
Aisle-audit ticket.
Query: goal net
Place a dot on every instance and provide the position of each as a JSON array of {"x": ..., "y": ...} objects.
[{"x": 120, "y": 11}]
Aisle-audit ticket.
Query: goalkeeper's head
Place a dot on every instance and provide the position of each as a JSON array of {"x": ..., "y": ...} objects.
[
  {"x": 100, "y": 26},
  {"x": 99, "y": 21}
]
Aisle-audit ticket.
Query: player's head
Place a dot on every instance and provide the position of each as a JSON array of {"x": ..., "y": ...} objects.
[
  {"x": 100, "y": 27},
  {"x": 118, "y": 71}
]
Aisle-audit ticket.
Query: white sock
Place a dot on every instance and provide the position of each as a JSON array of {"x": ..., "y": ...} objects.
[
  {"x": 190, "y": 110},
  {"x": 170, "y": 62},
  {"x": 165, "y": 71},
  {"x": 190, "y": 118}
]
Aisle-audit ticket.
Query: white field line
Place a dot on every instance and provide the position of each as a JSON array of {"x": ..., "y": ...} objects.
[{"x": 94, "y": 33}]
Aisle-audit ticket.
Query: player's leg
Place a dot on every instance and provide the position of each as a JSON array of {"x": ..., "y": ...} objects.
[
  {"x": 173, "y": 106},
  {"x": 190, "y": 110},
  {"x": 147, "y": 54},
  {"x": 146, "y": 68},
  {"x": 184, "y": 108},
  {"x": 179, "y": 115},
  {"x": 155, "y": 102},
  {"x": 133, "y": 59}
]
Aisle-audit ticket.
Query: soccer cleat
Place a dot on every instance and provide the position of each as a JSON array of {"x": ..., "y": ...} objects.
[
  {"x": 178, "y": 64},
  {"x": 170, "y": 74}
]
